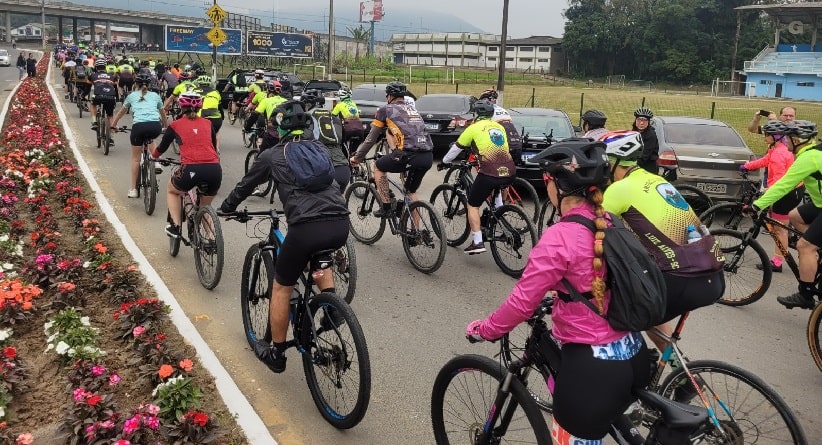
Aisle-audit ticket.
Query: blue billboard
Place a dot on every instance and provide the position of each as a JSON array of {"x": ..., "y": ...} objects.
[
  {"x": 279, "y": 44},
  {"x": 193, "y": 39}
]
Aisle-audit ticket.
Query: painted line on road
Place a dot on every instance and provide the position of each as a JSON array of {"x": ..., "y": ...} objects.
[{"x": 252, "y": 425}]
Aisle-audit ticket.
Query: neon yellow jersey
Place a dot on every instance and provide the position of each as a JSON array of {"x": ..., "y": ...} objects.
[
  {"x": 211, "y": 104},
  {"x": 488, "y": 140},
  {"x": 257, "y": 87},
  {"x": 183, "y": 87},
  {"x": 805, "y": 169},
  {"x": 268, "y": 105},
  {"x": 258, "y": 99},
  {"x": 111, "y": 69},
  {"x": 125, "y": 68},
  {"x": 346, "y": 109}
]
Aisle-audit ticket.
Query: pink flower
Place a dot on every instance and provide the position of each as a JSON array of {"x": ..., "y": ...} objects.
[
  {"x": 106, "y": 425},
  {"x": 138, "y": 331},
  {"x": 98, "y": 370},
  {"x": 113, "y": 379},
  {"x": 90, "y": 431},
  {"x": 131, "y": 425},
  {"x": 122, "y": 442},
  {"x": 152, "y": 409},
  {"x": 79, "y": 394},
  {"x": 24, "y": 439},
  {"x": 153, "y": 422}
]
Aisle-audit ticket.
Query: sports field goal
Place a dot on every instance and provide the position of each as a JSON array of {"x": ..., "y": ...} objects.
[
  {"x": 616, "y": 81},
  {"x": 732, "y": 88}
]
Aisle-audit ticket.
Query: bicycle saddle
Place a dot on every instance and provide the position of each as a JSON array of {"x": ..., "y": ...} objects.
[
  {"x": 322, "y": 260},
  {"x": 674, "y": 414}
]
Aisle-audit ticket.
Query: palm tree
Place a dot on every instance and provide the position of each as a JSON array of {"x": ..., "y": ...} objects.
[{"x": 360, "y": 35}]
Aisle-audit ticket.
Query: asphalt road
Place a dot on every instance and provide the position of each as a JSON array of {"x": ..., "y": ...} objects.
[{"x": 413, "y": 322}]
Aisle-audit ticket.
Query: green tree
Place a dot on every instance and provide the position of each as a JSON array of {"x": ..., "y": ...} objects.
[{"x": 360, "y": 35}]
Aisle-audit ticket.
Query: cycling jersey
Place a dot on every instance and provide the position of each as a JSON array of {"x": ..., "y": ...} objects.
[
  {"x": 145, "y": 110},
  {"x": 195, "y": 147},
  {"x": 257, "y": 87},
  {"x": 233, "y": 83},
  {"x": 488, "y": 140},
  {"x": 211, "y": 102},
  {"x": 349, "y": 113},
  {"x": 403, "y": 123},
  {"x": 183, "y": 87},
  {"x": 806, "y": 168},
  {"x": 502, "y": 117},
  {"x": 268, "y": 105},
  {"x": 111, "y": 69},
  {"x": 104, "y": 85}
]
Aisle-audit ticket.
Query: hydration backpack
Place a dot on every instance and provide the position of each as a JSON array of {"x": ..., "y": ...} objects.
[
  {"x": 310, "y": 163},
  {"x": 240, "y": 80},
  {"x": 80, "y": 72},
  {"x": 326, "y": 129},
  {"x": 638, "y": 291}
]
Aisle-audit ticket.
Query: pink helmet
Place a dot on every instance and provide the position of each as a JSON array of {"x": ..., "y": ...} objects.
[{"x": 191, "y": 99}]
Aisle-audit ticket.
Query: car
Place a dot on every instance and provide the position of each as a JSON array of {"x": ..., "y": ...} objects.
[
  {"x": 539, "y": 128},
  {"x": 368, "y": 97},
  {"x": 297, "y": 85},
  {"x": 446, "y": 116},
  {"x": 5, "y": 59},
  {"x": 704, "y": 153}
]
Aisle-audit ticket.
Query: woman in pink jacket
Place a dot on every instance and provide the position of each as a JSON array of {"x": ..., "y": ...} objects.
[
  {"x": 777, "y": 159},
  {"x": 600, "y": 366}
]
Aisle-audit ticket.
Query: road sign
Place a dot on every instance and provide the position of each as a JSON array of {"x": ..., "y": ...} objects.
[
  {"x": 216, "y": 35},
  {"x": 216, "y": 14}
]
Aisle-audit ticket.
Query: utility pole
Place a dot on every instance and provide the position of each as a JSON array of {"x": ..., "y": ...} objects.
[
  {"x": 503, "y": 44},
  {"x": 214, "y": 59},
  {"x": 43, "y": 22},
  {"x": 330, "y": 38}
]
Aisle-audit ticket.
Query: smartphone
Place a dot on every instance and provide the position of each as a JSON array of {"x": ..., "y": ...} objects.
[{"x": 764, "y": 113}]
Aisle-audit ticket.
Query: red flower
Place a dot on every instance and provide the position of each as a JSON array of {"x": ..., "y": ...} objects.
[
  {"x": 200, "y": 418},
  {"x": 165, "y": 371},
  {"x": 94, "y": 400},
  {"x": 10, "y": 352}
]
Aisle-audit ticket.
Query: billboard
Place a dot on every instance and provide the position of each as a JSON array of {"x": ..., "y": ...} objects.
[
  {"x": 278, "y": 44},
  {"x": 371, "y": 11},
  {"x": 193, "y": 39}
]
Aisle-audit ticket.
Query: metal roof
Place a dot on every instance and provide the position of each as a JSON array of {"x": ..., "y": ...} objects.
[
  {"x": 535, "y": 40},
  {"x": 802, "y": 12}
]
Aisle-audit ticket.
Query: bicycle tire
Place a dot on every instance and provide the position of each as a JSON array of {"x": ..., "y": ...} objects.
[
  {"x": 264, "y": 188},
  {"x": 452, "y": 175},
  {"x": 344, "y": 264},
  {"x": 454, "y": 210},
  {"x": 80, "y": 107},
  {"x": 329, "y": 352},
  {"x": 149, "y": 186},
  {"x": 725, "y": 215},
  {"x": 696, "y": 198},
  {"x": 255, "y": 294},
  {"x": 477, "y": 379},
  {"x": 524, "y": 195},
  {"x": 512, "y": 348},
  {"x": 429, "y": 237},
  {"x": 208, "y": 259},
  {"x": 97, "y": 132},
  {"x": 106, "y": 136},
  {"x": 815, "y": 335},
  {"x": 361, "y": 217},
  {"x": 512, "y": 244},
  {"x": 722, "y": 384},
  {"x": 246, "y": 138},
  {"x": 548, "y": 216},
  {"x": 744, "y": 282}
]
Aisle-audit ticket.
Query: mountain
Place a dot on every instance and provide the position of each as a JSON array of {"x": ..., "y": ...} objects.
[{"x": 396, "y": 20}]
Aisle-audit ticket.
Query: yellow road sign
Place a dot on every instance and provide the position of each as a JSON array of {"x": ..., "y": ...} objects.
[
  {"x": 216, "y": 35},
  {"x": 216, "y": 14}
]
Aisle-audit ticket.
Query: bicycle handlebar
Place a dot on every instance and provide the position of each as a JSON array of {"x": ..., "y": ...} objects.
[{"x": 245, "y": 215}]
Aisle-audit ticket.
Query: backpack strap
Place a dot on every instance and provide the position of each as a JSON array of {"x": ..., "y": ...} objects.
[
  {"x": 579, "y": 219},
  {"x": 576, "y": 296}
]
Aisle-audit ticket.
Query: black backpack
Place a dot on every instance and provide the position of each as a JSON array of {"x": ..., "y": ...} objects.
[
  {"x": 240, "y": 79},
  {"x": 310, "y": 163},
  {"x": 638, "y": 291},
  {"x": 80, "y": 72},
  {"x": 327, "y": 130}
]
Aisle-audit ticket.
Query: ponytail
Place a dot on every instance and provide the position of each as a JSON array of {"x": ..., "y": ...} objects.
[
  {"x": 143, "y": 91},
  {"x": 598, "y": 284}
]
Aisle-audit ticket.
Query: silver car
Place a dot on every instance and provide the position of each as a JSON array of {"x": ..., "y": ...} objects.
[
  {"x": 705, "y": 153},
  {"x": 5, "y": 59}
]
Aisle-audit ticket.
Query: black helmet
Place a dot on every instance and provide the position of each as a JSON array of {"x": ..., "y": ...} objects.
[
  {"x": 291, "y": 116},
  {"x": 594, "y": 118},
  {"x": 396, "y": 89},
  {"x": 643, "y": 112},
  {"x": 483, "y": 108},
  {"x": 490, "y": 93},
  {"x": 142, "y": 79},
  {"x": 775, "y": 127},
  {"x": 804, "y": 130},
  {"x": 312, "y": 98},
  {"x": 575, "y": 164}
]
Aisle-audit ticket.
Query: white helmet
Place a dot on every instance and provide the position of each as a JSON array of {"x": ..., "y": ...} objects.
[{"x": 624, "y": 145}]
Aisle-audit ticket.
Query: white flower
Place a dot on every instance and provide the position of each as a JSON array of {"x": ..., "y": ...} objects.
[
  {"x": 4, "y": 238},
  {"x": 5, "y": 334},
  {"x": 48, "y": 326},
  {"x": 62, "y": 348},
  {"x": 86, "y": 264},
  {"x": 8, "y": 266},
  {"x": 51, "y": 346},
  {"x": 85, "y": 321},
  {"x": 51, "y": 338},
  {"x": 2, "y": 412}
]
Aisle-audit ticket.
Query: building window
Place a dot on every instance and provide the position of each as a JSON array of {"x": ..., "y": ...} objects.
[
  {"x": 509, "y": 59},
  {"x": 525, "y": 59},
  {"x": 526, "y": 49},
  {"x": 492, "y": 59},
  {"x": 543, "y": 60},
  {"x": 766, "y": 82},
  {"x": 544, "y": 49},
  {"x": 557, "y": 49},
  {"x": 510, "y": 48},
  {"x": 805, "y": 84},
  {"x": 492, "y": 49}
]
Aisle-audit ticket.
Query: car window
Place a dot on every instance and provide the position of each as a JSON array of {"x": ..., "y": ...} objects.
[
  {"x": 322, "y": 85},
  {"x": 373, "y": 94},
  {"x": 702, "y": 135},
  {"x": 443, "y": 104},
  {"x": 3, "y": 52},
  {"x": 537, "y": 125}
]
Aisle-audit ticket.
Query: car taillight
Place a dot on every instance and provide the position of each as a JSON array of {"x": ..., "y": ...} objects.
[
  {"x": 667, "y": 159},
  {"x": 458, "y": 123}
]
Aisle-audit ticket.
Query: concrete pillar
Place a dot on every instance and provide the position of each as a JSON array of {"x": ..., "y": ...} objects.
[
  {"x": 140, "y": 34},
  {"x": 60, "y": 29},
  {"x": 8, "y": 26},
  {"x": 108, "y": 33},
  {"x": 74, "y": 34},
  {"x": 92, "y": 30}
]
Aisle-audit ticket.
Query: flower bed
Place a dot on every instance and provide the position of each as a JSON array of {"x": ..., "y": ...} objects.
[{"x": 82, "y": 337}]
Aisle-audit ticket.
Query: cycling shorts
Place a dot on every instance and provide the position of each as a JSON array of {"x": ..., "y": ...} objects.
[
  {"x": 240, "y": 97},
  {"x": 108, "y": 103},
  {"x": 484, "y": 185},
  {"x": 216, "y": 124},
  {"x": 787, "y": 203},
  {"x": 342, "y": 174},
  {"x": 144, "y": 132},
  {"x": 810, "y": 215},
  {"x": 416, "y": 162},
  {"x": 126, "y": 83},
  {"x": 304, "y": 240},
  {"x": 189, "y": 176}
]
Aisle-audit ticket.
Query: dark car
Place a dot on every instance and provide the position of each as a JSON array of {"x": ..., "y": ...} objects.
[
  {"x": 368, "y": 97},
  {"x": 297, "y": 85},
  {"x": 446, "y": 116},
  {"x": 539, "y": 127},
  {"x": 705, "y": 153}
]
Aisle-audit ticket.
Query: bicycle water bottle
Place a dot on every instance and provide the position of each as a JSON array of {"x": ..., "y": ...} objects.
[{"x": 692, "y": 235}]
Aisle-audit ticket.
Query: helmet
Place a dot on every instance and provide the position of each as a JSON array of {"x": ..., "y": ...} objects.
[
  {"x": 100, "y": 64},
  {"x": 643, "y": 112},
  {"x": 594, "y": 117},
  {"x": 291, "y": 116},
  {"x": 285, "y": 85},
  {"x": 187, "y": 68},
  {"x": 274, "y": 86},
  {"x": 396, "y": 89},
  {"x": 490, "y": 93},
  {"x": 186, "y": 75},
  {"x": 313, "y": 98},
  {"x": 623, "y": 145},
  {"x": 204, "y": 79},
  {"x": 775, "y": 127},
  {"x": 575, "y": 163},
  {"x": 258, "y": 73},
  {"x": 191, "y": 99},
  {"x": 142, "y": 79},
  {"x": 804, "y": 130},
  {"x": 200, "y": 71},
  {"x": 345, "y": 93},
  {"x": 483, "y": 108}
]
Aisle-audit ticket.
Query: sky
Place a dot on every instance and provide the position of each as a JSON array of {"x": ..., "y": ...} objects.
[{"x": 525, "y": 17}]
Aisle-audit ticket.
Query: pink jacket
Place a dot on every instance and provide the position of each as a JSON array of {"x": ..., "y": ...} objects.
[
  {"x": 566, "y": 249},
  {"x": 778, "y": 159}
]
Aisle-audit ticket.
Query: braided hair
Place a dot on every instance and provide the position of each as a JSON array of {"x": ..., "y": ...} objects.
[{"x": 598, "y": 287}]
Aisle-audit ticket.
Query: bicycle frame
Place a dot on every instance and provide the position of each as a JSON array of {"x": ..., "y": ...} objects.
[{"x": 766, "y": 222}]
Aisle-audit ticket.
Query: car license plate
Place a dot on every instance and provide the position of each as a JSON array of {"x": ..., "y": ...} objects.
[
  {"x": 433, "y": 126},
  {"x": 527, "y": 156},
  {"x": 709, "y": 187}
]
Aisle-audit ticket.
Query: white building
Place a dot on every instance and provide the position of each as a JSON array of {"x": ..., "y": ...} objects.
[{"x": 31, "y": 31}]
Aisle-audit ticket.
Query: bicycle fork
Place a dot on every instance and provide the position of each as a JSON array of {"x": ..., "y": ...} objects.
[{"x": 489, "y": 432}]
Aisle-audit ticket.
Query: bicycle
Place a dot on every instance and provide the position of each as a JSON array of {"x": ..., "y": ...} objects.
[
  {"x": 146, "y": 185},
  {"x": 815, "y": 335},
  {"x": 250, "y": 157},
  {"x": 103, "y": 130},
  {"x": 80, "y": 101},
  {"x": 495, "y": 401},
  {"x": 416, "y": 222},
  {"x": 253, "y": 138},
  {"x": 326, "y": 331},
  {"x": 205, "y": 235},
  {"x": 508, "y": 229}
]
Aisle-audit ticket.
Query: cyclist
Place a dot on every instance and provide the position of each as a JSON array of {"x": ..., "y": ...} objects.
[
  {"x": 256, "y": 87},
  {"x": 170, "y": 80},
  {"x": 186, "y": 85},
  {"x": 411, "y": 147},
  {"x": 593, "y": 124},
  {"x": 806, "y": 168},
  {"x": 175, "y": 69},
  {"x": 487, "y": 140},
  {"x": 211, "y": 105},
  {"x": 126, "y": 76},
  {"x": 777, "y": 160},
  {"x": 348, "y": 111},
  {"x": 80, "y": 76},
  {"x": 68, "y": 69},
  {"x": 502, "y": 117},
  {"x": 328, "y": 129},
  {"x": 105, "y": 92},
  {"x": 261, "y": 116},
  {"x": 238, "y": 88},
  {"x": 650, "y": 142},
  {"x": 600, "y": 366},
  {"x": 316, "y": 221},
  {"x": 198, "y": 156},
  {"x": 149, "y": 118},
  {"x": 653, "y": 209}
]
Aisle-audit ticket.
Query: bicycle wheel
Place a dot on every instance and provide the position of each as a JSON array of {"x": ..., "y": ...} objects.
[
  {"x": 421, "y": 230},
  {"x": 749, "y": 410},
  {"x": 173, "y": 243},
  {"x": 264, "y": 188},
  {"x": 362, "y": 200},
  {"x": 464, "y": 396},
  {"x": 548, "y": 215},
  {"x": 106, "y": 136},
  {"x": 815, "y": 335},
  {"x": 454, "y": 210},
  {"x": 255, "y": 294},
  {"x": 696, "y": 198},
  {"x": 80, "y": 107},
  {"x": 512, "y": 348},
  {"x": 208, "y": 248},
  {"x": 247, "y": 138},
  {"x": 452, "y": 175},
  {"x": 523, "y": 194},
  {"x": 512, "y": 236},
  {"x": 744, "y": 282},
  {"x": 726, "y": 215},
  {"x": 99, "y": 131},
  {"x": 345, "y": 271},
  {"x": 335, "y": 361},
  {"x": 149, "y": 185}
]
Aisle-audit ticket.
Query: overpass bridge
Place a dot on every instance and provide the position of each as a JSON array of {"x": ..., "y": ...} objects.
[{"x": 149, "y": 23}]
